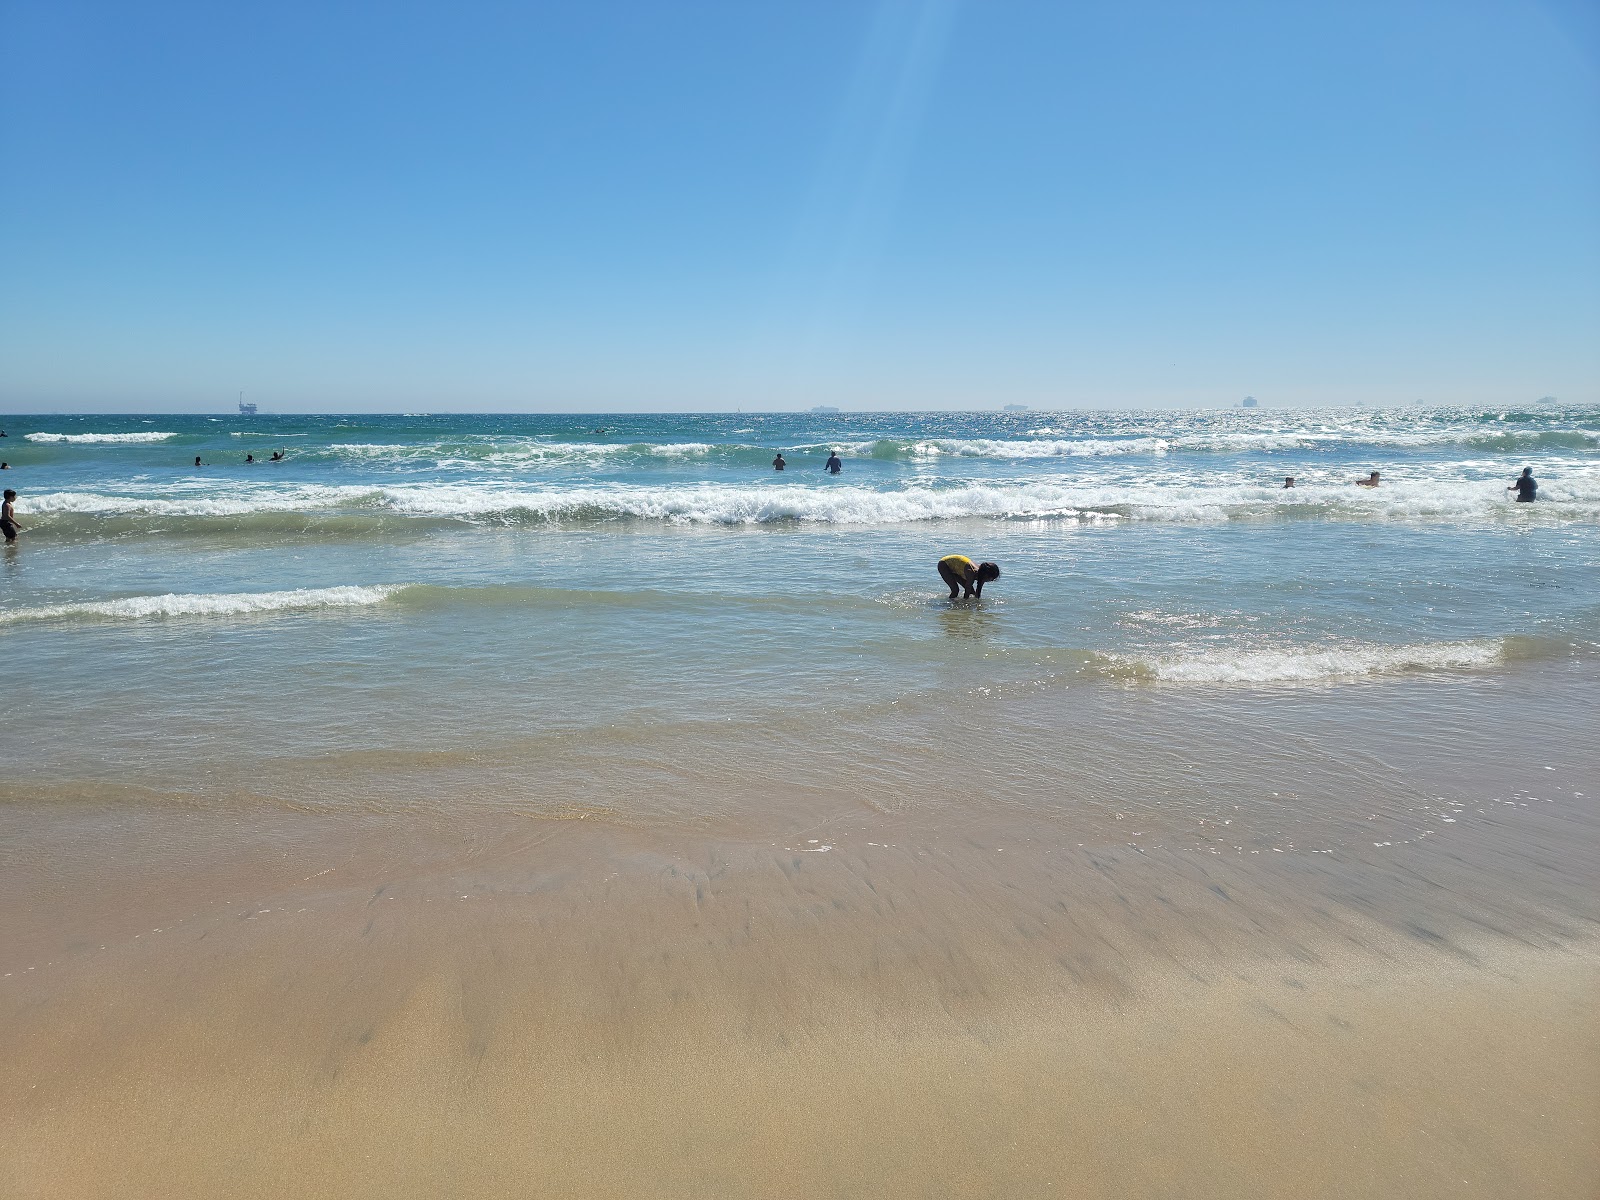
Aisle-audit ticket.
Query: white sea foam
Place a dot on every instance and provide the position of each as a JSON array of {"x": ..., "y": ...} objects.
[
  {"x": 736, "y": 505},
  {"x": 1042, "y": 448},
  {"x": 107, "y": 438},
  {"x": 207, "y": 604},
  {"x": 513, "y": 453},
  {"x": 1575, "y": 495},
  {"x": 1310, "y": 665}
]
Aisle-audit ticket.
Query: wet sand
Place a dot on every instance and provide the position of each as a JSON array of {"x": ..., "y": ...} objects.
[{"x": 338, "y": 1006}]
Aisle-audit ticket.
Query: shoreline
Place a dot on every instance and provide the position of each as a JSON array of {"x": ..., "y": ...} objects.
[{"x": 1316, "y": 942}]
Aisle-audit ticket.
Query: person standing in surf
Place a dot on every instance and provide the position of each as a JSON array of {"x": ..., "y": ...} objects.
[
  {"x": 1525, "y": 486},
  {"x": 833, "y": 466},
  {"x": 8, "y": 517},
  {"x": 958, "y": 571},
  {"x": 777, "y": 463}
]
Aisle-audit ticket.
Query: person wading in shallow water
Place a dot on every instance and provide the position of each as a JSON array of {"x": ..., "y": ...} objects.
[
  {"x": 958, "y": 571},
  {"x": 1526, "y": 487},
  {"x": 8, "y": 517},
  {"x": 778, "y": 464},
  {"x": 833, "y": 466}
]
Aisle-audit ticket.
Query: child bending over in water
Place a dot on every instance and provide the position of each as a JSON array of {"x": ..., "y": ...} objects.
[{"x": 959, "y": 571}]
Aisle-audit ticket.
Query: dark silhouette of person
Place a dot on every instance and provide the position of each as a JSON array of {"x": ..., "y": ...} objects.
[
  {"x": 197, "y": 460},
  {"x": 777, "y": 463},
  {"x": 833, "y": 466},
  {"x": 1525, "y": 486},
  {"x": 249, "y": 458},
  {"x": 8, "y": 516},
  {"x": 1288, "y": 481},
  {"x": 1369, "y": 481},
  {"x": 958, "y": 571}
]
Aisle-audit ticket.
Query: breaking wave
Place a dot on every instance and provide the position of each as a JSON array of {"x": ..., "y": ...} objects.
[
  {"x": 1315, "y": 665},
  {"x": 513, "y": 503},
  {"x": 202, "y": 604},
  {"x": 99, "y": 438}
]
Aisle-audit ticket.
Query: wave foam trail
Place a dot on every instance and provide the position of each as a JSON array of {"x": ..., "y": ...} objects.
[
  {"x": 1045, "y": 448},
  {"x": 1573, "y": 494},
  {"x": 1301, "y": 666},
  {"x": 226, "y": 604},
  {"x": 98, "y": 438}
]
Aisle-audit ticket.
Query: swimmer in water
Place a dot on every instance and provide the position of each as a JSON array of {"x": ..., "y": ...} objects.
[
  {"x": 833, "y": 466},
  {"x": 197, "y": 460},
  {"x": 1526, "y": 487},
  {"x": 958, "y": 571},
  {"x": 8, "y": 517},
  {"x": 1369, "y": 481},
  {"x": 1288, "y": 482},
  {"x": 778, "y": 464},
  {"x": 249, "y": 458}
]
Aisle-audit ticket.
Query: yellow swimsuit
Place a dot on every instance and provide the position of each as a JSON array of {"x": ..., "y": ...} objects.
[{"x": 961, "y": 565}]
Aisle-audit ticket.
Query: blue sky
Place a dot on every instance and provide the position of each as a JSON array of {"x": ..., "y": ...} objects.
[{"x": 901, "y": 204}]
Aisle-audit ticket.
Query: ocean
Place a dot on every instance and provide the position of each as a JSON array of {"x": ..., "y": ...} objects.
[{"x": 635, "y": 617}]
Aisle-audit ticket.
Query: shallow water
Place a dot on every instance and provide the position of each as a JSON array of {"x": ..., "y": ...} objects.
[{"x": 478, "y": 599}]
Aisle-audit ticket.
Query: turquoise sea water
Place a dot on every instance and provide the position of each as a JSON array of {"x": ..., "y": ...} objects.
[{"x": 475, "y": 603}]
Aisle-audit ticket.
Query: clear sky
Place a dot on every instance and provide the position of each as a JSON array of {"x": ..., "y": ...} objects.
[{"x": 672, "y": 204}]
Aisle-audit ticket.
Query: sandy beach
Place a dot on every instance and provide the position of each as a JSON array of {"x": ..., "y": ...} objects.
[{"x": 928, "y": 1002}]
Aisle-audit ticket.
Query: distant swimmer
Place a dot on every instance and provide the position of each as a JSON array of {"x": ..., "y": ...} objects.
[
  {"x": 8, "y": 516},
  {"x": 4, "y": 466},
  {"x": 1526, "y": 487},
  {"x": 778, "y": 464},
  {"x": 833, "y": 466},
  {"x": 249, "y": 458},
  {"x": 197, "y": 460},
  {"x": 1369, "y": 481},
  {"x": 1288, "y": 482},
  {"x": 958, "y": 571},
  {"x": 277, "y": 456}
]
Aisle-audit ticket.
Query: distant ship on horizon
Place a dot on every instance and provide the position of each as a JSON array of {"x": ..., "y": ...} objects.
[
  {"x": 824, "y": 409},
  {"x": 1016, "y": 408}
]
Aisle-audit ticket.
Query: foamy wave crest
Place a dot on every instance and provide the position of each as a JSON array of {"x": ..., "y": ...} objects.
[
  {"x": 1573, "y": 496},
  {"x": 1315, "y": 439},
  {"x": 1306, "y": 666},
  {"x": 92, "y": 438},
  {"x": 203, "y": 604},
  {"x": 531, "y": 447},
  {"x": 198, "y": 504},
  {"x": 725, "y": 504},
  {"x": 1043, "y": 448}
]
